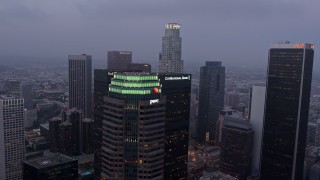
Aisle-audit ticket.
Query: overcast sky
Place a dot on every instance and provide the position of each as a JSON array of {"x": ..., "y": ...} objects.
[{"x": 235, "y": 32}]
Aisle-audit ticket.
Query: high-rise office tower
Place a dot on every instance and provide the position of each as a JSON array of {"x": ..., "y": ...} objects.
[
  {"x": 102, "y": 80},
  {"x": 236, "y": 147},
  {"x": 66, "y": 135},
  {"x": 87, "y": 136},
  {"x": 257, "y": 104},
  {"x": 65, "y": 143},
  {"x": 211, "y": 99},
  {"x": 54, "y": 133},
  {"x": 12, "y": 141},
  {"x": 286, "y": 111},
  {"x": 101, "y": 87},
  {"x": 177, "y": 89},
  {"x": 80, "y": 75},
  {"x": 170, "y": 57},
  {"x": 27, "y": 94},
  {"x": 119, "y": 60},
  {"x": 133, "y": 128},
  {"x": 74, "y": 116}
]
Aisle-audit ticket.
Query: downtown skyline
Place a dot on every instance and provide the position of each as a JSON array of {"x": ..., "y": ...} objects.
[{"x": 176, "y": 120}]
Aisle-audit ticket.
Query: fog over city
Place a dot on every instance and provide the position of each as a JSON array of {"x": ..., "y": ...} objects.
[{"x": 238, "y": 33}]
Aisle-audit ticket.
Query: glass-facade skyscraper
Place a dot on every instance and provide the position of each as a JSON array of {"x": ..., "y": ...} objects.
[
  {"x": 286, "y": 111},
  {"x": 102, "y": 80},
  {"x": 211, "y": 99},
  {"x": 133, "y": 127},
  {"x": 177, "y": 89},
  {"x": 236, "y": 147},
  {"x": 80, "y": 78},
  {"x": 170, "y": 57}
]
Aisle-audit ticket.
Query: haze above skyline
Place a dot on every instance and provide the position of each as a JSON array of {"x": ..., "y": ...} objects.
[{"x": 234, "y": 32}]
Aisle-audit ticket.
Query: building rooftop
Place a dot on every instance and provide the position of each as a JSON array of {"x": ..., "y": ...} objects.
[
  {"x": 172, "y": 26},
  {"x": 66, "y": 123},
  {"x": 288, "y": 45},
  {"x": 45, "y": 126},
  {"x": 58, "y": 118},
  {"x": 7, "y": 97},
  {"x": 44, "y": 162},
  {"x": 213, "y": 63},
  {"x": 87, "y": 120},
  {"x": 236, "y": 123}
]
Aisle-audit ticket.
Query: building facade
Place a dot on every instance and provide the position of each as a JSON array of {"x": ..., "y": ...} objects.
[
  {"x": 27, "y": 94},
  {"x": 133, "y": 127},
  {"x": 286, "y": 111},
  {"x": 80, "y": 78},
  {"x": 236, "y": 147},
  {"x": 54, "y": 133},
  {"x": 75, "y": 117},
  {"x": 177, "y": 89},
  {"x": 87, "y": 136},
  {"x": 170, "y": 56},
  {"x": 139, "y": 67},
  {"x": 119, "y": 60},
  {"x": 12, "y": 139},
  {"x": 211, "y": 99},
  {"x": 256, "y": 114},
  {"x": 65, "y": 137},
  {"x": 101, "y": 87},
  {"x": 102, "y": 80}
]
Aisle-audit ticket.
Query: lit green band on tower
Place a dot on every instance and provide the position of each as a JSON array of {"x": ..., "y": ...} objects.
[{"x": 133, "y": 83}]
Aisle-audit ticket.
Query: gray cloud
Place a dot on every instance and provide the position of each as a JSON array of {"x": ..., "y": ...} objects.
[{"x": 236, "y": 32}]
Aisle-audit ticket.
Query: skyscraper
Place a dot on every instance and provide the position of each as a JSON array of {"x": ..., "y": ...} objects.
[
  {"x": 66, "y": 133},
  {"x": 27, "y": 94},
  {"x": 236, "y": 147},
  {"x": 80, "y": 75},
  {"x": 211, "y": 99},
  {"x": 177, "y": 89},
  {"x": 54, "y": 133},
  {"x": 286, "y": 111},
  {"x": 257, "y": 105},
  {"x": 119, "y": 60},
  {"x": 102, "y": 80},
  {"x": 74, "y": 117},
  {"x": 133, "y": 128},
  {"x": 87, "y": 136},
  {"x": 66, "y": 139},
  {"x": 170, "y": 57},
  {"x": 12, "y": 141}
]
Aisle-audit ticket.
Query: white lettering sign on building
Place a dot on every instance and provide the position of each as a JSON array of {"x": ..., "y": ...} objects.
[
  {"x": 153, "y": 101},
  {"x": 177, "y": 78}
]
